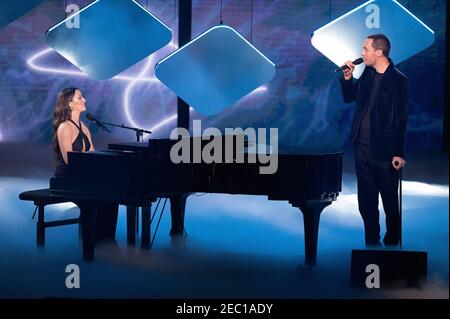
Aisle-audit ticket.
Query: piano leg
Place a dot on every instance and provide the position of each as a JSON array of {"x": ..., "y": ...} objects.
[
  {"x": 88, "y": 219},
  {"x": 146, "y": 212},
  {"x": 177, "y": 208},
  {"x": 311, "y": 217},
  {"x": 107, "y": 223},
  {"x": 131, "y": 225},
  {"x": 40, "y": 227},
  {"x": 98, "y": 222}
]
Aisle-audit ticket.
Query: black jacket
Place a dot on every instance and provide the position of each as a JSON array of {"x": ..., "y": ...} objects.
[{"x": 388, "y": 116}]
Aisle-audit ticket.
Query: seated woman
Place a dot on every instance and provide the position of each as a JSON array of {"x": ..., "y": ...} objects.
[{"x": 69, "y": 134}]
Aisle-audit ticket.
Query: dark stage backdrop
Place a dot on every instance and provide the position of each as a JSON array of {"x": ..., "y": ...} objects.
[{"x": 303, "y": 100}]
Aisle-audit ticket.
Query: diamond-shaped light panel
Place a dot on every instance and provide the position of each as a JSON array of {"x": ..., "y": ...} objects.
[
  {"x": 215, "y": 70},
  {"x": 112, "y": 36},
  {"x": 343, "y": 38},
  {"x": 10, "y": 10}
]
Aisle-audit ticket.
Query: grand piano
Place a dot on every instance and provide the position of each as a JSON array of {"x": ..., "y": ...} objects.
[{"x": 137, "y": 174}]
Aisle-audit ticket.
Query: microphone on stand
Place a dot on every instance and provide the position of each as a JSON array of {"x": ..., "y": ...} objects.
[
  {"x": 356, "y": 62},
  {"x": 91, "y": 118}
]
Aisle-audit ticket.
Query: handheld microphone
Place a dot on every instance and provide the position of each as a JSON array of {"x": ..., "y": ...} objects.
[
  {"x": 356, "y": 62},
  {"x": 91, "y": 118},
  {"x": 397, "y": 164}
]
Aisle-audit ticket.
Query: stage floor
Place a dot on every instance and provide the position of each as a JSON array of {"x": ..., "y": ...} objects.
[{"x": 238, "y": 247}]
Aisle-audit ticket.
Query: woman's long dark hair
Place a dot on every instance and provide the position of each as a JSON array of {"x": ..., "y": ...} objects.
[{"x": 61, "y": 114}]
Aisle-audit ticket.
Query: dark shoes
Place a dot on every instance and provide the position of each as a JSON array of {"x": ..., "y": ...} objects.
[
  {"x": 373, "y": 244},
  {"x": 390, "y": 240}
]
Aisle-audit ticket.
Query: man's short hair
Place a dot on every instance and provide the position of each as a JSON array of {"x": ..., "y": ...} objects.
[{"x": 381, "y": 42}]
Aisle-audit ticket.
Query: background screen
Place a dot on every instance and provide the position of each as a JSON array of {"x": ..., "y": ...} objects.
[{"x": 303, "y": 100}]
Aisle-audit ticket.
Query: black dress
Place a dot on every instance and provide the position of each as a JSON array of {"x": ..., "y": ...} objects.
[
  {"x": 77, "y": 146},
  {"x": 107, "y": 214}
]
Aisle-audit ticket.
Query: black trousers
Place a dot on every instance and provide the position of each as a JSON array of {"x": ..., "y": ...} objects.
[{"x": 376, "y": 178}]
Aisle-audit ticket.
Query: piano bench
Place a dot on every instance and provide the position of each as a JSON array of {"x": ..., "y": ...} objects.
[{"x": 42, "y": 198}]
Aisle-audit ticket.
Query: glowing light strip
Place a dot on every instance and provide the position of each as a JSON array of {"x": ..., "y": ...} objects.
[
  {"x": 260, "y": 89},
  {"x": 129, "y": 87},
  {"x": 410, "y": 13},
  {"x": 217, "y": 27},
  {"x": 365, "y": 4},
  {"x": 32, "y": 64},
  {"x": 155, "y": 17},
  {"x": 70, "y": 17},
  {"x": 164, "y": 122},
  {"x": 342, "y": 17},
  {"x": 127, "y": 92}
]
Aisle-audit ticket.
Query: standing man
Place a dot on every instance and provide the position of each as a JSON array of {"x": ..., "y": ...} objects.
[{"x": 378, "y": 135}]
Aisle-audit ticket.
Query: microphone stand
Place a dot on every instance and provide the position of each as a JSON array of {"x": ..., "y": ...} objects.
[{"x": 139, "y": 132}]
